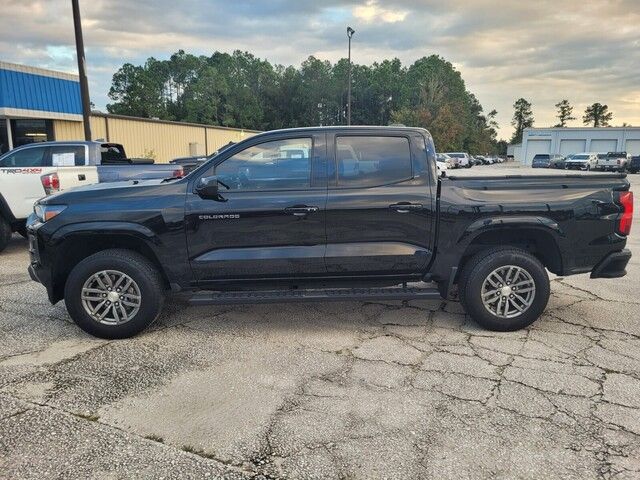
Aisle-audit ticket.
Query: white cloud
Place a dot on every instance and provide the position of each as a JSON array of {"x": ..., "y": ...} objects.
[{"x": 371, "y": 11}]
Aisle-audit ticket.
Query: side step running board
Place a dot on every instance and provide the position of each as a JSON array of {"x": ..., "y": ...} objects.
[{"x": 315, "y": 295}]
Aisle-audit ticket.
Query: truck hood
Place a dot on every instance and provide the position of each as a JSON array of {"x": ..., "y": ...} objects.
[{"x": 138, "y": 188}]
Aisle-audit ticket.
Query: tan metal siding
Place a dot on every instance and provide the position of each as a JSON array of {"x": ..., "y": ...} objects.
[{"x": 161, "y": 140}]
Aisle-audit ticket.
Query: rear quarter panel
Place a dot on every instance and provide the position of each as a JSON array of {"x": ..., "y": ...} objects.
[{"x": 579, "y": 213}]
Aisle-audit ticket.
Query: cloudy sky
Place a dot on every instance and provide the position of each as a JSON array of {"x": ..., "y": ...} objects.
[{"x": 583, "y": 50}]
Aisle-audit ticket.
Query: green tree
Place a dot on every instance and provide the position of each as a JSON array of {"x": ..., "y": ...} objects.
[
  {"x": 565, "y": 113},
  {"x": 241, "y": 90},
  {"x": 598, "y": 115},
  {"x": 522, "y": 118}
]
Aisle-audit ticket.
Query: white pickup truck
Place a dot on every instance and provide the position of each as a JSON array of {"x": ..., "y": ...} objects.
[
  {"x": 614, "y": 161},
  {"x": 30, "y": 172}
]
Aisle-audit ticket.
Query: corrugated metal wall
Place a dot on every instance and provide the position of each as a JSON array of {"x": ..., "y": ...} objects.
[
  {"x": 161, "y": 140},
  {"x": 30, "y": 91}
]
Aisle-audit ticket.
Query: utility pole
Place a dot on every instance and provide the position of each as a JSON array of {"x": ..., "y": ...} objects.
[
  {"x": 350, "y": 32},
  {"x": 82, "y": 71}
]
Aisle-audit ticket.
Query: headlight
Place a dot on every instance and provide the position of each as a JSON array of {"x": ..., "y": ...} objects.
[{"x": 47, "y": 212}]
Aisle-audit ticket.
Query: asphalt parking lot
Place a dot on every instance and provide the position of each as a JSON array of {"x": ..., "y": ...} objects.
[{"x": 335, "y": 390}]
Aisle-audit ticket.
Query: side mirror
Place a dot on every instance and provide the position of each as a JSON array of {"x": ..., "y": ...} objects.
[{"x": 207, "y": 188}]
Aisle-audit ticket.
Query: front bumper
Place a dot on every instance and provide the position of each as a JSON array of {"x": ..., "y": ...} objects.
[
  {"x": 576, "y": 166},
  {"x": 613, "y": 265},
  {"x": 37, "y": 271}
]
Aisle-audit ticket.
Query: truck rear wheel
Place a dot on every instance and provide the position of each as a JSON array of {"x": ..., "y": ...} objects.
[
  {"x": 504, "y": 289},
  {"x": 5, "y": 233},
  {"x": 114, "y": 294}
]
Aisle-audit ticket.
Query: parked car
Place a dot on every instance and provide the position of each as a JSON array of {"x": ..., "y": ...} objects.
[
  {"x": 634, "y": 164},
  {"x": 581, "y": 161},
  {"x": 443, "y": 162},
  {"x": 461, "y": 158},
  {"x": 546, "y": 160},
  {"x": 38, "y": 169},
  {"x": 614, "y": 161},
  {"x": 354, "y": 222}
]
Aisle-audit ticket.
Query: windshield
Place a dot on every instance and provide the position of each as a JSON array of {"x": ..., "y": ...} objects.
[
  {"x": 617, "y": 154},
  {"x": 580, "y": 157},
  {"x": 456, "y": 155},
  {"x": 541, "y": 157}
]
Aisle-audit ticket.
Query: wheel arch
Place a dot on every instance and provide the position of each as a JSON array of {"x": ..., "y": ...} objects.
[
  {"x": 73, "y": 246},
  {"x": 537, "y": 235}
]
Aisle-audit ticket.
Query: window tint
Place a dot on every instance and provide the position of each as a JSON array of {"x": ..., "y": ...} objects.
[
  {"x": 369, "y": 161},
  {"x": 67, "y": 156},
  {"x": 28, "y": 157},
  {"x": 280, "y": 164}
]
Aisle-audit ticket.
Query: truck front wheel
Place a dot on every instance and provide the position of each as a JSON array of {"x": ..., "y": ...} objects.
[
  {"x": 504, "y": 289},
  {"x": 114, "y": 294},
  {"x": 5, "y": 233}
]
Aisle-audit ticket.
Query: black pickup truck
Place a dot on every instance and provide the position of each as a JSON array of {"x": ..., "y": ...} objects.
[{"x": 347, "y": 213}]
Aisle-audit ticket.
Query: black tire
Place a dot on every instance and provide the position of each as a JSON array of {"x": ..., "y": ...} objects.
[
  {"x": 5, "y": 233},
  {"x": 22, "y": 231},
  {"x": 142, "y": 271},
  {"x": 480, "y": 267}
]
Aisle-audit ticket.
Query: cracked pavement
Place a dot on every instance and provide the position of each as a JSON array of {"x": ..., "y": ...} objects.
[{"x": 331, "y": 390}]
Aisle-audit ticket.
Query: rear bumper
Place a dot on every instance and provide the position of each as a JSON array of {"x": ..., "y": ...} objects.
[{"x": 613, "y": 265}]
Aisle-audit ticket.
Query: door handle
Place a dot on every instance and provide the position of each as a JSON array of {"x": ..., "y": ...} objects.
[
  {"x": 301, "y": 210},
  {"x": 405, "y": 207}
]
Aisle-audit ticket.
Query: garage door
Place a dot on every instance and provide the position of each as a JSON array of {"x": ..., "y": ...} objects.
[
  {"x": 604, "y": 146},
  {"x": 572, "y": 146},
  {"x": 633, "y": 147},
  {"x": 537, "y": 146}
]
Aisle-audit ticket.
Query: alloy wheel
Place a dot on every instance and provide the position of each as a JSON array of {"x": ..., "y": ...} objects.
[
  {"x": 508, "y": 291},
  {"x": 111, "y": 297}
]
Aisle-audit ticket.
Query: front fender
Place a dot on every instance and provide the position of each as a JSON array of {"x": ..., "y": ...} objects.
[{"x": 105, "y": 228}]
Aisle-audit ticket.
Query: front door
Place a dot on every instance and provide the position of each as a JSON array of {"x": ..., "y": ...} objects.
[
  {"x": 379, "y": 206},
  {"x": 269, "y": 220}
]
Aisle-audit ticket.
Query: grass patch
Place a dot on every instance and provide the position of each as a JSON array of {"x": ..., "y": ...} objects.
[{"x": 155, "y": 438}]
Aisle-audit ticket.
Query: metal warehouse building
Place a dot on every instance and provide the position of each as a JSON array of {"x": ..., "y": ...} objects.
[
  {"x": 38, "y": 105},
  {"x": 577, "y": 140}
]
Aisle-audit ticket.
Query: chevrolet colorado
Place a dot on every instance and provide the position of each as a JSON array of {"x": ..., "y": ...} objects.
[{"x": 346, "y": 213}]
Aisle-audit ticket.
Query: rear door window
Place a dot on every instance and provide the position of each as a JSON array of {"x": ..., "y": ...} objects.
[
  {"x": 368, "y": 161},
  {"x": 67, "y": 156},
  {"x": 24, "y": 158}
]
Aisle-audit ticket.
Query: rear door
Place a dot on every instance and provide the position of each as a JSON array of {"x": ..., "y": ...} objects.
[
  {"x": 270, "y": 222},
  {"x": 379, "y": 207}
]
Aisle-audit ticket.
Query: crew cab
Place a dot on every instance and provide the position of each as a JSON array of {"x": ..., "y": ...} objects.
[
  {"x": 326, "y": 213},
  {"x": 32, "y": 171},
  {"x": 614, "y": 161}
]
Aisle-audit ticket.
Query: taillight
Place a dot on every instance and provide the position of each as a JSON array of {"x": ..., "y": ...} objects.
[
  {"x": 51, "y": 183},
  {"x": 178, "y": 172},
  {"x": 624, "y": 222}
]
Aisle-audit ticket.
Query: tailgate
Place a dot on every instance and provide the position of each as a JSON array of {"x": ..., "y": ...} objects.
[{"x": 76, "y": 176}]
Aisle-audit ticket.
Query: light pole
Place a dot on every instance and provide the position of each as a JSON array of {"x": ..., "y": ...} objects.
[
  {"x": 350, "y": 32},
  {"x": 82, "y": 70}
]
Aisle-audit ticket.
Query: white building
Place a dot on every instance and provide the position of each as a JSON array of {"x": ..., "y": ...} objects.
[{"x": 577, "y": 140}]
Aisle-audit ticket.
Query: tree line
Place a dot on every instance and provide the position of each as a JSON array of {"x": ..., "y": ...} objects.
[
  {"x": 243, "y": 91},
  {"x": 596, "y": 115}
]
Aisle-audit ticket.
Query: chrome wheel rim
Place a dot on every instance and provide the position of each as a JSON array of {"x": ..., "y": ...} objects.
[
  {"x": 508, "y": 291},
  {"x": 111, "y": 297}
]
